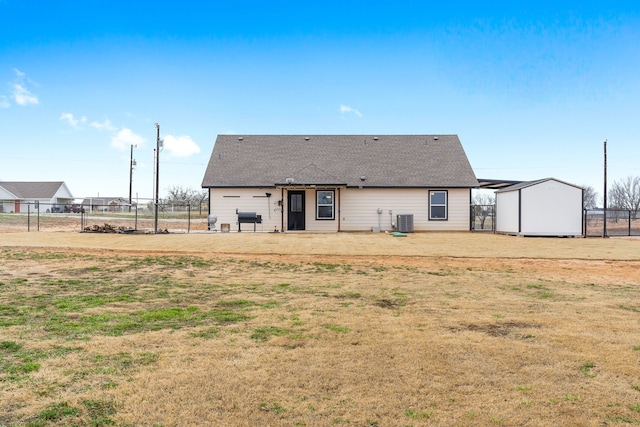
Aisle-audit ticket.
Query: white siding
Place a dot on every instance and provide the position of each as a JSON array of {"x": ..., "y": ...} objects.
[
  {"x": 507, "y": 212},
  {"x": 355, "y": 210},
  {"x": 551, "y": 208},
  {"x": 224, "y": 203},
  {"x": 359, "y": 209}
]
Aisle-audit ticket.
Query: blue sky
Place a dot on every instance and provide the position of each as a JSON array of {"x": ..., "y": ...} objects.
[{"x": 532, "y": 88}]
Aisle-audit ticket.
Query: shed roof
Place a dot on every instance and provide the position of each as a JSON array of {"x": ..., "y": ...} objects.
[
  {"x": 350, "y": 160},
  {"x": 32, "y": 189},
  {"x": 525, "y": 184}
]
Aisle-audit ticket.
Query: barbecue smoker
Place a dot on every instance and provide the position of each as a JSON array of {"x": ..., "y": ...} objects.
[{"x": 248, "y": 218}]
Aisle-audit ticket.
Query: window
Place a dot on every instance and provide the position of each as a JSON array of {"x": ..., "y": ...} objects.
[
  {"x": 324, "y": 204},
  {"x": 296, "y": 202},
  {"x": 437, "y": 205}
]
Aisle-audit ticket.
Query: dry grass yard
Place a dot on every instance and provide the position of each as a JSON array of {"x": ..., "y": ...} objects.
[{"x": 349, "y": 329}]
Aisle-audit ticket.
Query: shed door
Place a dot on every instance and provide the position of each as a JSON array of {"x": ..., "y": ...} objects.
[{"x": 295, "y": 217}]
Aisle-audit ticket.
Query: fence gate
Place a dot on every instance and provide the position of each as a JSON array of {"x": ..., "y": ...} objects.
[{"x": 483, "y": 217}]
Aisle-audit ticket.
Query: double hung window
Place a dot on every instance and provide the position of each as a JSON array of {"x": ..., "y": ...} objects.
[
  {"x": 438, "y": 205},
  {"x": 325, "y": 204}
]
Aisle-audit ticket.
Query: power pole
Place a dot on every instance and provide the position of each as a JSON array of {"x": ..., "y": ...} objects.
[
  {"x": 132, "y": 163},
  {"x": 157, "y": 175},
  {"x": 604, "y": 228}
]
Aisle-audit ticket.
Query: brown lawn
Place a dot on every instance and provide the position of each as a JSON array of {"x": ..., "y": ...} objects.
[{"x": 264, "y": 329}]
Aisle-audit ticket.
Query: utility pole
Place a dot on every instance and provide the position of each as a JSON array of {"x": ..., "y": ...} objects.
[
  {"x": 157, "y": 175},
  {"x": 132, "y": 163},
  {"x": 604, "y": 228}
]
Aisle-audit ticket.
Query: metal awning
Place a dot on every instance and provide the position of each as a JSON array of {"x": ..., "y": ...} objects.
[{"x": 495, "y": 184}]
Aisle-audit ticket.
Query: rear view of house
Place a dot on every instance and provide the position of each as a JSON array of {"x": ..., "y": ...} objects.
[{"x": 341, "y": 182}]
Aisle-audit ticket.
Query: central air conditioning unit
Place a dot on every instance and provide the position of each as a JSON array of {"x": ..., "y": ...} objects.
[{"x": 405, "y": 223}]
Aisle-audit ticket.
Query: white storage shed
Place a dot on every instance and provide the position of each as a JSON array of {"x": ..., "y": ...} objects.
[{"x": 547, "y": 207}]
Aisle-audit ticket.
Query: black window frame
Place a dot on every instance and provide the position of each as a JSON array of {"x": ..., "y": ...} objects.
[
  {"x": 432, "y": 205},
  {"x": 325, "y": 205}
]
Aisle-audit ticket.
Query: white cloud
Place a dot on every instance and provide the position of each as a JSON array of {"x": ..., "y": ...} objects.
[
  {"x": 180, "y": 146},
  {"x": 22, "y": 95},
  {"x": 105, "y": 125},
  {"x": 125, "y": 138},
  {"x": 72, "y": 121},
  {"x": 345, "y": 109}
]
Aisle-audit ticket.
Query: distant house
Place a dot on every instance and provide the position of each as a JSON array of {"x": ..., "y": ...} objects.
[
  {"x": 105, "y": 204},
  {"x": 547, "y": 207},
  {"x": 16, "y": 196},
  {"x": 341, "y": 182}
]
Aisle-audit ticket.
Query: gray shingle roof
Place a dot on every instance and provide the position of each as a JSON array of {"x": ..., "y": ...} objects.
[
  {"x": 385, "y": 161},
  {"x": 32, "y": 190}
]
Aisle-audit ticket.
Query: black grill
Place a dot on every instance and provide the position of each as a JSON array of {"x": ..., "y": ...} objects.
[{"x": 248, "y": 218}]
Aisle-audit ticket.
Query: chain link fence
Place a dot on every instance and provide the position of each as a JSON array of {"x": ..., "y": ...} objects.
[
  {"x": 116, "y": 217},
  {"x": 483, "y": 218},
  {"x": 618, "y": 223}
]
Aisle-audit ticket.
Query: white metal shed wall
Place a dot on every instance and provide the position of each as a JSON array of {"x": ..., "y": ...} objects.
[
  {"x": 507, "y": 212},
  {"x": 551, "y": 208}
]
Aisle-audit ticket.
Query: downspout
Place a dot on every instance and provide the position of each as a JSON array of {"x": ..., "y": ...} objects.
[
  {"x": 339, "y": 205},
  {"x": 208, "y": 201},
  {"x": 282, "y": 209}
]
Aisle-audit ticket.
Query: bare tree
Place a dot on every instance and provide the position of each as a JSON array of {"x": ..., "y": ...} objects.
[
  {"x": 625, "y": 194},
  {"x": 178, "y": 195},
  {"x": 483, "y": 207},
  {"x": 589, "y": 197},
  {"x": 200, "y": 198}
]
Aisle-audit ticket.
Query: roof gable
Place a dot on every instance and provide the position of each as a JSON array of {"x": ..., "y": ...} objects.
[
  {"x": 34, "y": 189},
  {"x": 526, "y": 184},
  {"x": 383, "y": 161}
]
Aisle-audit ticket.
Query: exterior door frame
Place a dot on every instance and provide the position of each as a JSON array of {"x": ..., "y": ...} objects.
[{"x": 296, "y": 210}]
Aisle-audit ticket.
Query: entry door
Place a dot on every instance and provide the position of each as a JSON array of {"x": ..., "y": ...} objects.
[{"x": 295, "y": 217}]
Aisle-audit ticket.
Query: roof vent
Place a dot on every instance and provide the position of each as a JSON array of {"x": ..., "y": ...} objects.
[
  {"x": 240, "y": 138},
  {"x": 435, "y": 138},
  {"x": 306, "y": 138},
  {"x": 375, "y": 138}
]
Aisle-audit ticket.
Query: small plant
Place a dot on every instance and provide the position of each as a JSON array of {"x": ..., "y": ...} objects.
[
  {"x": 339, "y": 329},
  {"x": 586, "y": 369},
  {"x": 496, "y": 421},
  {"x": 99, "y": 412},
  {"x": 635, "y": 387},
  {"x": 274, "y": 407},
  {"x": 524, "y": 388},
  {"x": 635, "y": 408},
  {"x": 417, "y": 415},
  {"x": 58, "y": 411},
  {"x": 265, "y": 333},
  {"x": 636, "y": 347},
  {"x": 206, "y": 333},
  {"x": 572, "y": 397}
]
